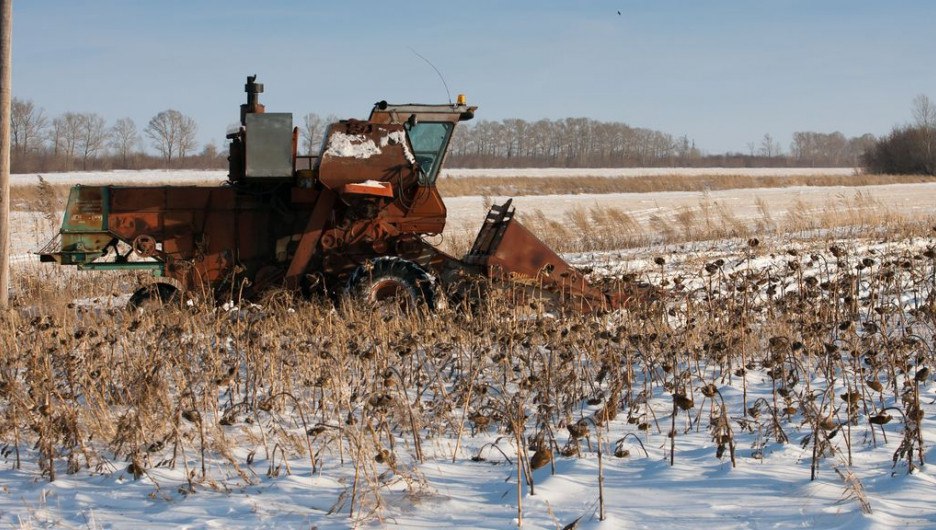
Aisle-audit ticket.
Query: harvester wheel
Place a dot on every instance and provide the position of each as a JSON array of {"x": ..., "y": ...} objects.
[
  {"x": 392, "y": 282},
  {"x": 153, "y": 296}
]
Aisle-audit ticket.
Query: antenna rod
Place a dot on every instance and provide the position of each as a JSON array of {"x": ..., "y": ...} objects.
[{"x": 447, "y": 93}]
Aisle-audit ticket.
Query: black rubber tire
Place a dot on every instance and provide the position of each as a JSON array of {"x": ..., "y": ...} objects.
[
  {"x": 153, "y": 296},
  {"x": 381, "y": 280}
]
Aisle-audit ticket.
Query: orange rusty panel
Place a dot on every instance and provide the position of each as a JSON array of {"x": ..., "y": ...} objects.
[
  {"x": 424, "y": 226},
  {"x": 253, "y": 237},
  {"x": 424, "y": 214},
  {"x": 129, "y": 225},
  {"x": 178, "y": 247},
  {"x": 219, "y": 233},
  {"x": 212, "y": 267},
  {"x": 335, "y": 172},
  {"x": 427, "y": 203},
  {"x": 375, "y": 188},
  {"x": 175, "y": 221},
  {"x": 303, "y": 195},
  {"x": 222, "y": 199},
  {"x": 393, "y": 211},
  {"x": 358, "y": 151},
  {"x": 138, "y": 199},
  {"x": 310, "y": 238},
  {"x": 189, "y": 197},
  {"x": 521, "y": 256},
  {"x": 524, "y": 253},
  {"x": 195, "y": 198}
]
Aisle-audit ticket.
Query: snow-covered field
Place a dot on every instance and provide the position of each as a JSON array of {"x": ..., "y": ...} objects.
[
  {"x": 157, "y": 176},
  {"x": 651, "y": 172},
  {"x": 913, "y": 200},
  {"x": 140, "y": 177},
  {"x": 769, "y": 487}
]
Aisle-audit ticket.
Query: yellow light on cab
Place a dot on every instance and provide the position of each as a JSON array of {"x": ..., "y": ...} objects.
[{"x": 461, "y": 100}]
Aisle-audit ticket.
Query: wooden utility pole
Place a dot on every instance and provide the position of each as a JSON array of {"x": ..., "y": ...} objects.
[{"x": 6, "y": 94}]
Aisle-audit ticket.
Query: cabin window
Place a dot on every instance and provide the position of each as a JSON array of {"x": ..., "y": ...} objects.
[{"x": 429, "y": 140}]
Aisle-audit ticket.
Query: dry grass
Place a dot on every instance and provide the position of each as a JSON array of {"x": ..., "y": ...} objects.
[
  {"x": 594, "y": 229},
  {"x": 26, "y": 198},
  {"x": 38, "y": 198},
  {"x": 513, "y": 186},
  {"x": 85, "y": 387}
]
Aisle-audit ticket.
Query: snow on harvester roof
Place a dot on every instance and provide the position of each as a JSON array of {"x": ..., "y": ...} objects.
[
  {"x": 359, "y": 146},
  {"x": 350, "y": 146}
]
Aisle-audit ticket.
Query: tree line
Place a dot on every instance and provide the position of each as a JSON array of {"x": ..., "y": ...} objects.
[
  {"x": 570, "y": 142},
  {"x": 583, "y": 142},
  {"x": 84, "y": 141},
  {"x": 910, "y": 148}
]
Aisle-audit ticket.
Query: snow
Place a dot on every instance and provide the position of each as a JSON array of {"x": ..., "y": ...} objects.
[
  {"x": 770, "y": 487},
  {"x": 344, "y": 145},
  {"x": 372, "y": 184},
  {"x": 466, "y": 213},
  {"x": 135, "y": 177},
  {"x": 651, "y": 172},
  {"x": 189, "y": 176},
  {"x": 398, "y": 137}
]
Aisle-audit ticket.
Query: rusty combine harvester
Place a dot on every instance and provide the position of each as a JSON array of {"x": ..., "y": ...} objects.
[{"x": 351, "y": 220}]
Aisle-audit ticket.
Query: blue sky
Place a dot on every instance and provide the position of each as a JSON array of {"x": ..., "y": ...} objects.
[{"x": 722, "y": 72}]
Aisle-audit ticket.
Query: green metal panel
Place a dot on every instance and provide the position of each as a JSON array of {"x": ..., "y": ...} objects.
[
  {"x": 87, "y": 210},
  {"x": 158, "y": 269},
  {"x": 84, "y": 228}
]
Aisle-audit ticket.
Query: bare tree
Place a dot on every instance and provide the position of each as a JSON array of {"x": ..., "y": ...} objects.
[
  {"x": 515, "y": 135},
  {"x": 172, "y": 134},
  {"x": 92, "y": 136},
  {"x": 27, "y": 123},
  {"x": 924, "y": 112},
  {"x": 124, "y": 139},
  {"x": 56, "y": 136},
  {"x": 187, "y": 131},
  {"x": 210, "y": 151},
  {"x": 564, "y": 143},
  {"x": 860, "y": 145},
  {"x": 769, "y": 147},
  {"x": 910, "y": 149},
  {"x": 66, "y": 130},
  {"x": 208, "y": 158},
  {"x": 830, "y": 149},
  {"x": 313, "y": 128},
  {"x": 163, "y": 131}
]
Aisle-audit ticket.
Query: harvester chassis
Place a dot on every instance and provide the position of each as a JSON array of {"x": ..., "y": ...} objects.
[{"x": 351, "y": 220}]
